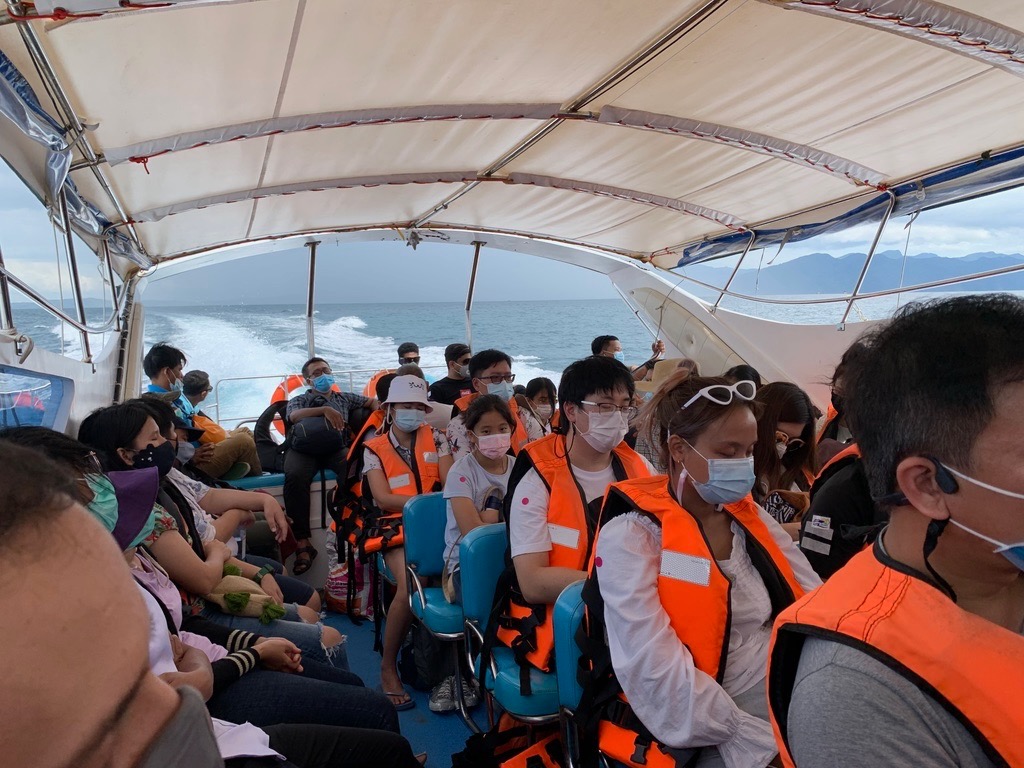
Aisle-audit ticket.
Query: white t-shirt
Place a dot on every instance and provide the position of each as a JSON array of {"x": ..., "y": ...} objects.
[
  {"x": 468, "y": 480},
  {"x": 529, "y": 531}
]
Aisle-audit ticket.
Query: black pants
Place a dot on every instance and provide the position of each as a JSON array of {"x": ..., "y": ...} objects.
[
  {"x": 325, "y": 746},
  {"x": 299, "y": 471}
]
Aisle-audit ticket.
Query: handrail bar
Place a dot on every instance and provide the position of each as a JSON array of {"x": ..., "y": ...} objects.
[
  {"x": 861, "y": 296},
  {"x": 62, "y": 316}
]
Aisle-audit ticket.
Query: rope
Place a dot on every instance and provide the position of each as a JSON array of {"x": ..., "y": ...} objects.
[{"x": 906, "y": 252}]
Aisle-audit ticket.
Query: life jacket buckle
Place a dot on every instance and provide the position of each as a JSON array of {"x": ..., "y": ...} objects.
[{"x": 641, "y": 745}]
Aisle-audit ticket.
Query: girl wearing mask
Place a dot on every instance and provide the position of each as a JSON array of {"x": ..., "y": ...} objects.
[
  {"x": 537, "y": 405},
  {"x": 785, "y": 459},
  {"x": 556, "y": 490},
  {"x": 409, "y": 459},
  {"x": 127, "y": 437},
  {"x": 690, "y": 564}
]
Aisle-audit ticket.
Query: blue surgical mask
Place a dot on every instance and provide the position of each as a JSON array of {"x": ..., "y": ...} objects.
[
  {"x": 502, "y": 389},
  {"x": 323, "y": 383},
  {"x": 1012, "y": 552},
  {"x": 729, "y": 480},
  {"x": 620, "y": 356},
  {"x": 409, "y": 420}
]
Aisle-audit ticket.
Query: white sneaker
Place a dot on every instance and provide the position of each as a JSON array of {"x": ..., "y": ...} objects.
[{"x": 442, "y": 698}]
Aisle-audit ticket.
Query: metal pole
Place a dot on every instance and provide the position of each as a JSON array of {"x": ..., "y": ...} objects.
[
  {"x": 867, "y": 262},
  {"x": 6, "y": 311},
  {"x": 753, "y": 236},
  {"x": 113, "y": 287},
  {"x": 76, "y": 285},
  {"x": 310, "y": 342},
  {"x": 469, "y": 296}
]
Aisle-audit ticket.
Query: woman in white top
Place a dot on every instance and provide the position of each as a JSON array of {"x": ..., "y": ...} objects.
[
  {"x": 706, "y": 430},
  {"x": 537, "y": 405}
]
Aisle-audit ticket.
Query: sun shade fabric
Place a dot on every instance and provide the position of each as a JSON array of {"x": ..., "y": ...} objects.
[{"x": 220, "y": 123}]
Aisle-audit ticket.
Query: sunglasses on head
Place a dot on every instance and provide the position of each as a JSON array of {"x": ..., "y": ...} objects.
[{"x": 723, "y": 394}]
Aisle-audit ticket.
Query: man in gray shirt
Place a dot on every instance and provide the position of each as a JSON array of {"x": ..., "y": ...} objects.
[{"x": 912, "y": 655}]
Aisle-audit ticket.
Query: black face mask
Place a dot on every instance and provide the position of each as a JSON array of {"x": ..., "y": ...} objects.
[{"x": 161, "y": 457}]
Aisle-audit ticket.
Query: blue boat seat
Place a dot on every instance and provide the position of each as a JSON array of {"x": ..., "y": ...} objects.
[
  {"x": 567, "y": 618},
  {"x": 542, "y": 701},
  {"x": 424, "y": 519},
  {"x": 272, "y": 480}
]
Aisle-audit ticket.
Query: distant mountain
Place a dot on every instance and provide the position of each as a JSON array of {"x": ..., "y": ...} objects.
[{"x": 823, "y": 273}]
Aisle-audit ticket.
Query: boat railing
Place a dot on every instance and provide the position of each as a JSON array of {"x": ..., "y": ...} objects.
[{"x": 348, "y": 377}]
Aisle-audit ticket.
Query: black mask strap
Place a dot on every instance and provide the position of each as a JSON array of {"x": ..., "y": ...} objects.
[{"x": 931, "y": 541}]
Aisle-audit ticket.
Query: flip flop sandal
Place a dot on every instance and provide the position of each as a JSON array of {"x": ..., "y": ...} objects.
[
  {"x": 304, "y": 564},
  {"x": 407, "y": 704}
]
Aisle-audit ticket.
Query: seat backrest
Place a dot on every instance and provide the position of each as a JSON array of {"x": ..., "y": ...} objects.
[
  {"x": 567, "y": 618},
  {"x": 482, "y": 559},
  {"x": 423, "y": 519}
]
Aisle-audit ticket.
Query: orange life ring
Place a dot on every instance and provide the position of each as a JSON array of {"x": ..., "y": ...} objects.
[
  {"x": 370, "y": 390},
  {"x": 284, "y": 391}
]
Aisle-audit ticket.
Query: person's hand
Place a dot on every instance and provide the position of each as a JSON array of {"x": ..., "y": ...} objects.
[
  {"x": 217, "y": 549},
  {"x": 278, "y": 654},
  {"x": 334, "y": 419},
  {"x": 270, "y": 586},
  {"x": 275, "y": 517},
  {"x": 203, "y": 453},
  {"x": 178, "y": 649},
  {"x": 658, "y": 348}
]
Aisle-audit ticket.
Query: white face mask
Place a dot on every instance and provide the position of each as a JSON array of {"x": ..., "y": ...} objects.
[
  {"x": 494, "y": 446},
  {"x": 605, "y": 431}
]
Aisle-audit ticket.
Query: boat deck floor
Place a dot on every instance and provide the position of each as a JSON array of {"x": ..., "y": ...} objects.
[{"x": 439, "y": 735}]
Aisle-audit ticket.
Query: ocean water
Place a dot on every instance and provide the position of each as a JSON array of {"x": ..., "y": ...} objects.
[{"x": 237, "y": 345}]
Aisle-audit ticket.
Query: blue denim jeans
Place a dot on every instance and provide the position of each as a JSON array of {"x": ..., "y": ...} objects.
[
  {"x": 320, "y": 695},
  {"x": 306, "y": 636},
  {"x": 294, "y": 591}
]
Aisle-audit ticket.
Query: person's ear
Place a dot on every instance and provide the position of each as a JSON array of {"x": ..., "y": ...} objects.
[
  {"x": 926, "y": 486},
  {"x": 678, "y": 450},
  {"x": 125, "y": 455}
]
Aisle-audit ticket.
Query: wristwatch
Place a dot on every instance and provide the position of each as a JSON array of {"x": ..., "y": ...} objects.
[{"x": 264, "y": 571}]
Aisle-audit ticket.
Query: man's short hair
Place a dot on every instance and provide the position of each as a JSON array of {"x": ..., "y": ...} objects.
[
  {"x": 33, "y": 492},
  {"x": 593, "y": 375},
  {"x": 455, "y": 351},
  {"x": 925, "y": 382},
  {"x": 481, "y": 361},
  {"x": 406, "y": 347},
  {"x": 305, "y": 365},
  {"x": 383, "y": 386},
  {"x": 162, "y": 355},
  {"x": 597, "y": 345},
  {"x": 196, "y": 382}
]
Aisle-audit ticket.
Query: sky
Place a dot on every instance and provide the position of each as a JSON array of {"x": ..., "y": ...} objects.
[{"x": 440, "y": 272}]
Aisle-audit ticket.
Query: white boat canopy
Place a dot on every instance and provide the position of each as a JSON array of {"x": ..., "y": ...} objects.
[{"x": 666, "y": 131}]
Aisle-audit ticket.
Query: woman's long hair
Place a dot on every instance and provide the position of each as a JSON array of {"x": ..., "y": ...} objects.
[
  {"x": 664, "y": 415},
  {"x": 113, "y": 427},
  {"x": 783, "y": 401}
]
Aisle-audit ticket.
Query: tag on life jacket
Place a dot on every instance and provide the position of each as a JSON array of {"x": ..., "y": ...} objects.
[
  {"x": 564, "y": 536},
  {"x": 430, "y": 458},
  {"x": 683, "y": 567},
  {"x": 399, "y": 481}
]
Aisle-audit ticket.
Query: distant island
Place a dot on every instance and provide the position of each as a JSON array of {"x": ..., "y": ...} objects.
[{"x": 823, "y": 273}]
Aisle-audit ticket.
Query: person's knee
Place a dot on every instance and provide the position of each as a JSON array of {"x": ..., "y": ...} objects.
[
  {"x": 307, "y": 614},
  {"x": 314, "y": 603},
  {"x": 331, "y": 637}
]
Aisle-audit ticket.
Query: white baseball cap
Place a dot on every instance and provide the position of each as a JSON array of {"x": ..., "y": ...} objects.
[{"x": 408, "y": 389}]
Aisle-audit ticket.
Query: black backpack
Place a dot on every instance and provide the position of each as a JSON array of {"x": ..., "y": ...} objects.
[{"x": 271, "y": 452}]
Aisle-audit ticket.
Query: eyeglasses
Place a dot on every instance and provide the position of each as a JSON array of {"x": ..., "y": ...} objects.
[
  {"x": 791, "y": 443},
  {"x": 94, "y": 462},
  {"x": 407, "y": 360},
  {"x": 723, "y": 394},
  {"x": 319, "y": 372},
  {"x": 607, "y": 409},
  {"x": 497, "y": 378}
]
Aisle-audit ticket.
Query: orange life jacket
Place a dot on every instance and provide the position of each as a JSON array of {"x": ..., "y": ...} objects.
[
  {"x": 850, "y": 451},
  {"x": 346, "y": 503},
  {"x": 695, "y": 594},
  {"x": 830, "y": 417},
  {"x": 383, "y": 530},
  {"x": 525, "y": 627},
  {"x": 967, "y": 664},
  {"x": 519, "y": 436}
]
